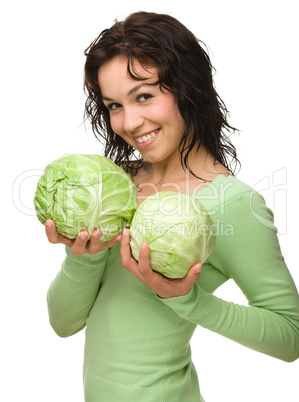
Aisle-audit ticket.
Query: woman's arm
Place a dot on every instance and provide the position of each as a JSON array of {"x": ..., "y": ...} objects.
[
  {"x": 252, "y": 258},
  {"x": 75, "y": 288},
  {"x": 73, "y": 292}
]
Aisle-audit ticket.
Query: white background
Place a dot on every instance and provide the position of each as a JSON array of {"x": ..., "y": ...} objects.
[{"x": 254, "y": 47}]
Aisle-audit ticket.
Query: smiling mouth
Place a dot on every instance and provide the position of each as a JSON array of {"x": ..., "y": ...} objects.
[{"x": 147, "y": 137}]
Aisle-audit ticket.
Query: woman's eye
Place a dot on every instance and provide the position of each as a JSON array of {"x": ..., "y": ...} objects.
[
  {"x": 114, "y": 106},
  {"x": 144, "y": 97}
]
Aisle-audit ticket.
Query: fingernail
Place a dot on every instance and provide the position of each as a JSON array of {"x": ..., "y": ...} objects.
[
  {"x": 199, "y": 266},
  {"x": 143, "y": 246},
  {"x": 95, "y": 234},
  {"x": 48, "y": 225},
  {"x": 126, "y": 232},
  {"x": 83, "y": 235}
]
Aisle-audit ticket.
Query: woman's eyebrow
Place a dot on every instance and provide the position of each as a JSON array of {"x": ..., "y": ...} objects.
[
  {"x": 135, "y": 89},
  {"x": 131, "y": 92}
]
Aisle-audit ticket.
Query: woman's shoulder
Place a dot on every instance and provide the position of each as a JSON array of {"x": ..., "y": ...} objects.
[
  {"x": 230, "y": 192},
  {"x": 225, "y": 187},
  {"x": 236, "y": 207}
]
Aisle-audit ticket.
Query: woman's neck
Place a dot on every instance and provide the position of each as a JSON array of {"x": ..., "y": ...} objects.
[
  {"x": 171, "y": 176},
  {"x": 200, "y": 162}
]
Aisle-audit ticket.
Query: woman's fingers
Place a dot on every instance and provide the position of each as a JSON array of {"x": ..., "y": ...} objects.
[
  {"x": 82, "y": 243},
  {"x": 55, "y": 237},
  {"x": 195, "y": 270},
  {"x": 143, "y": 262},
  {"x": 94, "y": 244},
  {"x": 141, "y": 268},
  {"x": 112, "y": 242},
  {"x": 191, "y": 277},
  {"x": 51, "y": 231},
  {"x": 162, "y": 286},
  {"x": 79, "y": 245},
  {"x": 125, "y": 251},
  {"x": 126, "y": 257}
]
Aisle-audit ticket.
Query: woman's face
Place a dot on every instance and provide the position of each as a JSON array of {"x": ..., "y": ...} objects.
[{"x": 144, "y": 116}]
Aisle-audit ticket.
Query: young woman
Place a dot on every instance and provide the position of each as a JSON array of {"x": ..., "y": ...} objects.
[{"x": 150, "y": 89}]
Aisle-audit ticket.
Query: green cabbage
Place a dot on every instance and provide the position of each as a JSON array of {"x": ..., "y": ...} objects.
[
  {"x": 86, "y": 192},
  {"x": 178, "y": 229}
]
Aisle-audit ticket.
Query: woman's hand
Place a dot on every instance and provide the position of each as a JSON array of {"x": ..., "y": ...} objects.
[
  {"x": 162, "y": 286},
  {"x": 81, "y": 244}
]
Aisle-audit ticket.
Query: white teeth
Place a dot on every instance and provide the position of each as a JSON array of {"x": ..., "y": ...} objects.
[{"x": 147, "y": 137}]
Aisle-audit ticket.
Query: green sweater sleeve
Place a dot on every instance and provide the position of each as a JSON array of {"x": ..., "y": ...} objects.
[
  {"x": 251, "y": 256},
  {"x": 73, "y": 292}
]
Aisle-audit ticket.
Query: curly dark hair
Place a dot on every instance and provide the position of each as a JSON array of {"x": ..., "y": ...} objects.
[{"x": 184, "y": 68}]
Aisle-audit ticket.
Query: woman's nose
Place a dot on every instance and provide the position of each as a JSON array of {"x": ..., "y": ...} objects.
[{"x": 132, "y": 119}]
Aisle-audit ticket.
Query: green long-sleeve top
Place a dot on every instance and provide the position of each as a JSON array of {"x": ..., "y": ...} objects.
[{"x": 137, "y": 344}]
